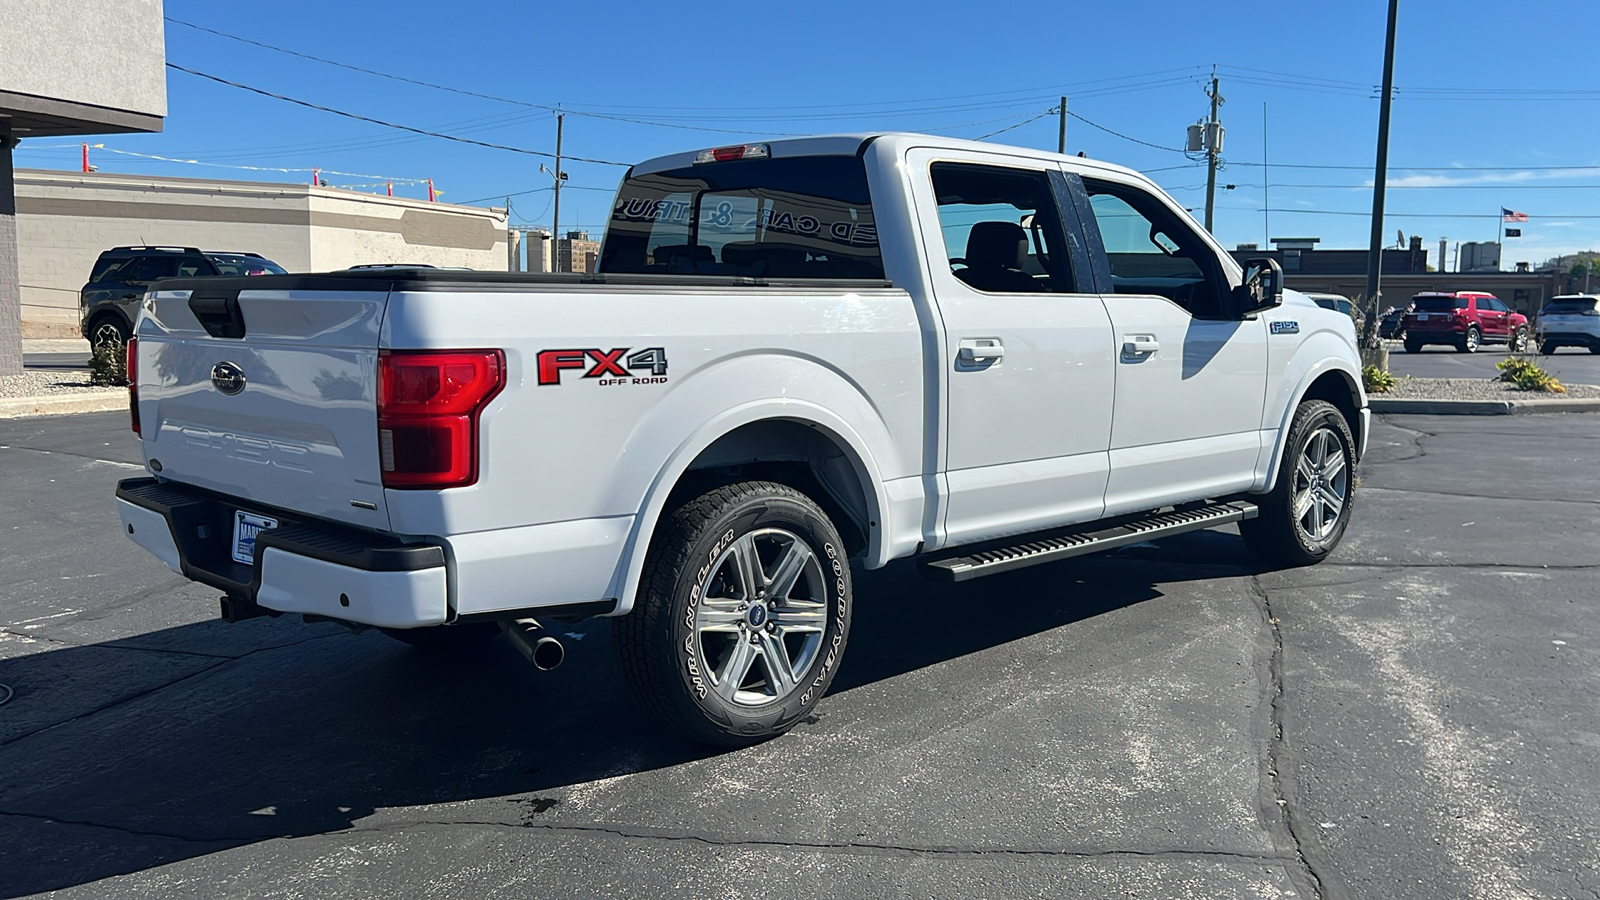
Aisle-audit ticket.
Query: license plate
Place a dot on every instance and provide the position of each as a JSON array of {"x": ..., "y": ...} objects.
[
  {"x": 1422, "y": 317},
  {"x": 245, "y": 528}
]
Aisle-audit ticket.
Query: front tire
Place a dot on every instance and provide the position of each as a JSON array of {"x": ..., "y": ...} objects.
[
  {"x": 1519, "y": 341},
  {"x": 108, "y": 331},
  {"x": 741, "y": 617},
  {"x": 1305, "y": 515}
]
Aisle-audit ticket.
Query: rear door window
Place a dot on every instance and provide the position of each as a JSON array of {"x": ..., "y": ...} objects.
[
  {"x": 801, "y": 217},
  {"x": 149, "y": 268}
]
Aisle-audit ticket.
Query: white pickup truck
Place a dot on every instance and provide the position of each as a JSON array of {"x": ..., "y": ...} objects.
[{"x": 796, "y": 356}]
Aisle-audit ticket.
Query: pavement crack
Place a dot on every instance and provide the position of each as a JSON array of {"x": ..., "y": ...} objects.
[
  {"x": 853, "y": 847},
  {"x": 220, "y": 661},
  {"x": 1278, "y": 748},
  {"x": 1480, "y": 496},
  {"x": 121, "y": 829}
]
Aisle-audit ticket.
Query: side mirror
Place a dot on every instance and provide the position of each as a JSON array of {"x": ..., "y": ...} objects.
[{"x": 1262, "y": 288}]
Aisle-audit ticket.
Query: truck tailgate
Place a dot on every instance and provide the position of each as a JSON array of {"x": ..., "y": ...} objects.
[{"x": 266, "y": 395}]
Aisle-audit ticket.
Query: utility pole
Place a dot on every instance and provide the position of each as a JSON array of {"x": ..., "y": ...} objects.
[
  {"x": 1380, "y": 179},
  {"x": 1213, "y": 148},
  {"x": 555, "y": 220},
  {"x": 1061, "y": 135}
]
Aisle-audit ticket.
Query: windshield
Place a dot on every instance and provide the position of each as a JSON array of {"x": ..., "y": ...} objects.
[
  {"x": 802, "y": 217},
  {"x": 1439, "y": 304},
  {"x": 239, "y": 264}
]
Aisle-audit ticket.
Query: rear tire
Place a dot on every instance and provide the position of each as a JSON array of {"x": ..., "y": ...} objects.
[
  {"x": 1413, "y": 346},
  {"x": 741, "y": 616},
  {"x": 445, "y": 639},
  {"x": 1547, "y": 348},
  {"x": 1594, "y": 349},
  {"x": 1305, "y": 515},
  {"x": 1469, "y": 342}
]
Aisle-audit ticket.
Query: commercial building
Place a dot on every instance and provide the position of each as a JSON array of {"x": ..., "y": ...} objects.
[
  {"x": 64, "y": 219},
  {"x": 576, "y": 253},
  {"x": 60, "y": 75}
]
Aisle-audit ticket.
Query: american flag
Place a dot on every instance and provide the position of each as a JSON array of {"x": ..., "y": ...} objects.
[{"x": 1511, "y": 215}]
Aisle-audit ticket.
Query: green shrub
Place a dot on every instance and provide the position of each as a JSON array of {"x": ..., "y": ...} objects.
[
  {"x": 1521, "y": 372},
  {"x": 109, "y": 365},
  {"x": 1377, "y": 381}
]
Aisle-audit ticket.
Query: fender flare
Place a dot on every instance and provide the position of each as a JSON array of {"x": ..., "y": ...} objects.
[
  {"x": 1317, "y": 370},
  {"x": 625, "y": 581}
]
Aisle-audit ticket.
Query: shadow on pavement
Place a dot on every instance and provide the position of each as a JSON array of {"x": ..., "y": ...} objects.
[{"x": 306, "y": 738}]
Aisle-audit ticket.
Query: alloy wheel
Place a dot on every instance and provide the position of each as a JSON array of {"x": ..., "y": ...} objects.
[
  {"x": 1321, "y": 485},
  {"x": 761, "y": 616}
]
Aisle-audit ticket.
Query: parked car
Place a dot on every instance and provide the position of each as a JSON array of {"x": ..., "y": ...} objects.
[
  {"x": 1570, "y": 321},
  {"x": 109, "y": 303},
  {"x": 1465, "y": 320},
  {"x": 1392, "y": 326},
  {"x": 983, "y": 357},
  {"x": 1337, "y": 302}
]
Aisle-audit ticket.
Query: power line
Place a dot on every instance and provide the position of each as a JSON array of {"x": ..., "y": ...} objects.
[
  {"x": 1048, "y": 112},
  {"x": 1387, "y": 215},
  {"x": 308, "y": 104},
  {"x": 1119, "y": 134}
]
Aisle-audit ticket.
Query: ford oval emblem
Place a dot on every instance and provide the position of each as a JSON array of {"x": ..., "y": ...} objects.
[{"x": 227, "y": 378}]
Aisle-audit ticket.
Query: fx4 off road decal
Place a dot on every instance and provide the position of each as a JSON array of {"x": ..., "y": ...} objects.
[{"x": 615, "y": 366}]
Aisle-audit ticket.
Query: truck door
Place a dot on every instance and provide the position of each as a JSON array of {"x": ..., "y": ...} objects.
[
  {"x": 1027, "y": 343},
  {"x": 1190, "y": 377}
]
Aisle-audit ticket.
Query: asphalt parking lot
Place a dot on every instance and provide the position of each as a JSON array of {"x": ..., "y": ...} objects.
[
  {"x": 1574, "y": 365},
  {"x": 1415, "y": 718}
]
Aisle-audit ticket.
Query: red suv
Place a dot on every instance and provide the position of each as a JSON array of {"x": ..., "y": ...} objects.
[{"x": 1465, "y": 320}]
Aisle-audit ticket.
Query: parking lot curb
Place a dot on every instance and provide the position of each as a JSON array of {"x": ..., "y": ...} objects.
[
  {"x": 21, "y": 407},
  {"x": 1417, "y": 407}
]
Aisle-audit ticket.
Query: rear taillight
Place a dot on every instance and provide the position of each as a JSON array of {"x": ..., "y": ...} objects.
[
  {"x": 428, "y": 406},
  {"x": 133, "y": 382}
]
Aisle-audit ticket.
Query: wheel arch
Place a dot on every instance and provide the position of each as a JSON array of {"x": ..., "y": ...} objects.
[
  {"x": 108, "y": 311},
  {"x": 802, "y": 444}
]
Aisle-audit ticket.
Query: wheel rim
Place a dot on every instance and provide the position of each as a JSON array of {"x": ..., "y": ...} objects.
[
  {"x": 761, "y": 616},
  {"x": 1472, "y": 339},
  {"x": 1520, "y": 342},
  {"x": 1321, "y": 485},
  {"x": 106, "y": 334}
]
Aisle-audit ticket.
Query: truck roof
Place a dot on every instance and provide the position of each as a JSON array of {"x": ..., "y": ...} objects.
[{"x": 850, "y": 144}]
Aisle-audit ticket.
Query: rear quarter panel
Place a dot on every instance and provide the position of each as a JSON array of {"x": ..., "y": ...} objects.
[{"x": 594, "y": 446}]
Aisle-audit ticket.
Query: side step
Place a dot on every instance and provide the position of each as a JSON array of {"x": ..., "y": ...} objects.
[{"x": 1004, "y": 559}]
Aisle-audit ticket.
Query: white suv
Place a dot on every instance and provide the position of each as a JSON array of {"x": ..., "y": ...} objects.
[{"x": 1570, "y": 321}]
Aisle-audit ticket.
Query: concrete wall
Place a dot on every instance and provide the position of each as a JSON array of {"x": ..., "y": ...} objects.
[
  {"x": 64, "y": 220},
  {"x": 99, "y": 53}
]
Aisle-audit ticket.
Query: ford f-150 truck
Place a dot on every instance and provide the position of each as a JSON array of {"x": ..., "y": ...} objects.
[{"x": 796, "y": 358}]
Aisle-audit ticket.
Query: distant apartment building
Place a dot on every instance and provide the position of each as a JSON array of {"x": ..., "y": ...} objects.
[{"x": 576, "y": 253}]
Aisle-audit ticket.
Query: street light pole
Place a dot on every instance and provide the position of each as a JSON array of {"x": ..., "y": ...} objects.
[{"x": 1375, "y": 249}]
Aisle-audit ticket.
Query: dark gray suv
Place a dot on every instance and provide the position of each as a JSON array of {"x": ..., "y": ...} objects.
[{"x": 109, "y": 303}]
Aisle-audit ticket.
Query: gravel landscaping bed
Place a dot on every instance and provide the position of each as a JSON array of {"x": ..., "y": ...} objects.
[
  {"x": 1477, "y": 389},
  {"x": 51, "y": 384}
]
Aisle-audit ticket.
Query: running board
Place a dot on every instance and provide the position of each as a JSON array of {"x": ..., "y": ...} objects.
[{"x": 1004, "y": 559}]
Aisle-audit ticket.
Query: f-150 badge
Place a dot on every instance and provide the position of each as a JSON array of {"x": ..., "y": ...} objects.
[
  {"x": 1285, "y": 327},
  {"x": 615, "y": 366}
]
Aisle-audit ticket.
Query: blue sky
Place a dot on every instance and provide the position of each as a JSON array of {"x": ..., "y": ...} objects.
[{"x": 1496, "y": 102}]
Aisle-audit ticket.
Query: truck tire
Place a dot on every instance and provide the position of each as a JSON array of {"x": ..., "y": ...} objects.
[
  {"x": 741, "y": 617},
  {"x": 1304, "y": 516},
  {"x": 445, "y": 639}
]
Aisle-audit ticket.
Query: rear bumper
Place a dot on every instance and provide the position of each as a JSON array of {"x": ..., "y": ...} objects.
[
  {"x": 302, "y": 566},
  {"x": 1570, "y": 338}
]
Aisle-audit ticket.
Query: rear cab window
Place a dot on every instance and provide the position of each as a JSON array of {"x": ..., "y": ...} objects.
[
  {"x": 789, "y": 218},
  {"x": 1573, "y": 307}
]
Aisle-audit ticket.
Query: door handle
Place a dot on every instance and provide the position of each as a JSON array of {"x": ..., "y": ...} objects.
[
  {"x": 1140, "y": 345},
  {"x": 976, "y": 350}
]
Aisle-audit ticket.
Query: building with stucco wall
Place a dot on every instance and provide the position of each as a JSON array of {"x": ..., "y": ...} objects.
[
  {"x": 65, "y": 219},
  {"x": 59, "y": 75}
]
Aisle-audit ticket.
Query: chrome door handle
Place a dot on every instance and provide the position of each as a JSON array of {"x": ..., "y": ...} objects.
[
  {"x": 975, "y": 350},
  {"x": 1140, "y": 345}
]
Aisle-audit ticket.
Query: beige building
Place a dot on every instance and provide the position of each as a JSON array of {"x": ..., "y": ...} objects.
[
  {"x": 64, "y": 220},
  {"x": 70, "y": 67},
  {"x": 577, "y": 253}
]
